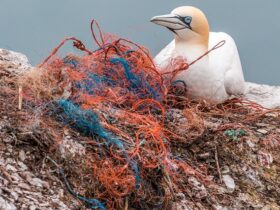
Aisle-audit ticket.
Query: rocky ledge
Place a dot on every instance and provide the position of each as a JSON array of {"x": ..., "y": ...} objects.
[
  {"x": 249, "y": 172},
  {"x": 265, "y": 95}
]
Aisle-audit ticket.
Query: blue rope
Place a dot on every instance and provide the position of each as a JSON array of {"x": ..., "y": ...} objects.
[
  {"x": 71, "y": 61},
  {"x": 91, "y": 202},
  {"x": 95, "y": 82},
  {"x": 135, "y": 82},
  {"x": 87, "y": 122},
  {"x": 135, "y": 168}
]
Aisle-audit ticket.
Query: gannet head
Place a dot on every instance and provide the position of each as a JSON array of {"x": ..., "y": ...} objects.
[{"x": 187, "y": 23}]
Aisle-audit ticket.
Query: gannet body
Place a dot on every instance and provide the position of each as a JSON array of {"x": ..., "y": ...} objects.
[{"x": 216, "y": 76}]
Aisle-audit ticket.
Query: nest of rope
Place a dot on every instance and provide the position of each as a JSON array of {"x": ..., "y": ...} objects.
[{"x": 135, "y": 124}]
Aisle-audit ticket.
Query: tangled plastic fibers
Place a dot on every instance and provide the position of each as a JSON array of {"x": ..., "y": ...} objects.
[{"x": 116, "y": 97}]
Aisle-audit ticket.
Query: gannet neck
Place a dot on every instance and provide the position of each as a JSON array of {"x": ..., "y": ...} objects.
[
  {"x": 193, "y": 40},
  {"x": 190, "y": 49}
]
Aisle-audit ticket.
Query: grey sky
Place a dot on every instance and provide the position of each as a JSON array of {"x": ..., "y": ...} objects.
[{"x": 34, "y": 27}]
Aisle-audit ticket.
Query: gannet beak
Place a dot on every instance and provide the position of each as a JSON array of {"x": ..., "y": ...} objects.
[{"x": 171, "y": 21}]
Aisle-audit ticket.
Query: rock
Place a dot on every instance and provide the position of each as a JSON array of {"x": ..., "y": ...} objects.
[
  {"x": 250, "y": 144},
  {"x": 32, "y": 207},
  {"x": 7, "y": 140},
  {"x": 198, "y": 188},
  {"x": 5, "y": 182},
  {"x": 22, "y": 155},
  {"x": 262, "y": 131},
  {"x": 27, "y": 175},
  {"x": 36, "y": 182},
  {"x": 10, "y": 161},
  {"x": 272, "y": 206},
  {"x": 22, "y": 166},
  {"x": 225, "y": 170},
  {"x": 265, "y": 95},
  {"x": 252, "y": 177},
  {"x": 220, "y": 208},
  {"x": 262, "y": 125},
  {"x": 229, "y": 182},
  {"x": 14, "y": 195},
  {"x": 17, "y": 61},
  {"x": 24, "y": 186},
  {"x": 46, "y": 185},
  {"x": 2, "y": 162},
  {"x": 18, "y": 190},
  {"x": 181, "y": 203},
  {"x": 265, "y": 159},
  {"x": 10, "y": 168},
  {"x": 15, "y": 177},
  {"x": 180, "y": 196},
  {"x": 274, "y": 115},
  {"x": 250, "y": 200},
  {"x": 70, "y": 148},
  {"x": 5, "y": 205},
  {"x": 204, "y": 155}
]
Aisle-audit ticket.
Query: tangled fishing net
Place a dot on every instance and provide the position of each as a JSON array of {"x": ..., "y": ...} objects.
[{"x": 123, "y": 110}]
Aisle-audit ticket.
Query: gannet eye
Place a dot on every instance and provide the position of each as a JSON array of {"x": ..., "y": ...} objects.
[{"x": 188, "y": 20}]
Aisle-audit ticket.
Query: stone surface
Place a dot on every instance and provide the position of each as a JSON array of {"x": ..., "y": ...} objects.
[
  {"x": 265, "y": 159},
  {"x": 198, "y": 188},
  {"x": 24, "y": 188},
  {"x": 22, "y": 155},
  {"x": 69, "y": 148},
  {"x": 6, "y": 205},
  {"x": 14, "y": 61},
  {"x": 229, "y": 182},
  {"x": 262, "y": 131},
  {"x": 265, "y": 95}
]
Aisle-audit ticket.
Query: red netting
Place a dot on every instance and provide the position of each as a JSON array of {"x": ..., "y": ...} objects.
[{"x": 117, "y": 97}]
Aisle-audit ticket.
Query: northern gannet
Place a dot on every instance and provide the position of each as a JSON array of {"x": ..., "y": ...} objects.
[{"x": 215, "y": 77}]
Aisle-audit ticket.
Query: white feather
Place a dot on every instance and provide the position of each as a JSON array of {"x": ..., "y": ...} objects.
[{"x": 215, "y": 77}]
